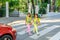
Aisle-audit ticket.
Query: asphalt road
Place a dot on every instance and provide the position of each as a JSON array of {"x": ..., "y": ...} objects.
[{"x": 48, "y": 30}]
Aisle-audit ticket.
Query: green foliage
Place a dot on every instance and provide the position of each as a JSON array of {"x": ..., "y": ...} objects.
[
  {"x": 2, "y": 11},
  {"x": 23, "y": 5},
  {"x": 58, "y": 3},
  {"x": 43, "y": 6}
]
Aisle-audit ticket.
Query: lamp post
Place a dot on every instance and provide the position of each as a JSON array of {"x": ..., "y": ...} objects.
[
  {"x": 7, "y": 9},
  {"x": 48, "y": 6}
]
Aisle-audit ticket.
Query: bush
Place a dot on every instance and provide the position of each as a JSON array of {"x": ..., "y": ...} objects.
[
  {"x": 2, "y": 12},
  {"x": 42, "y": 11}
]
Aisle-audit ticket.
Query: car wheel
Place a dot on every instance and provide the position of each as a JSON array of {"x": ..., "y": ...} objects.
[
  {"x": 0, "y": 38},
  {"x": 6, "y": 37}
]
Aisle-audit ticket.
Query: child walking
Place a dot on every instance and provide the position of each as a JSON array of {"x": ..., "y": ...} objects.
[
  {"x": 28, "y": 23},
  {"x": 36, "y": 22}
]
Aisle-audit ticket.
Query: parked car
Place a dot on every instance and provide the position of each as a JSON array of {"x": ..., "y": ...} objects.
[{"x": 7, "y": 32}]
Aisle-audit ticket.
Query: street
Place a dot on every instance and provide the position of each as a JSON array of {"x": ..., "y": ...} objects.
[
  {"x": 49, "y": 29},
  {"x": 14, "y": 14}
]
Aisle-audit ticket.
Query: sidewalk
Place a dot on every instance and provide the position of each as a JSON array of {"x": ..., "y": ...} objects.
[
  {"x": 16, "y": 20},
  {"x": 52, "y": 14},
  {"x": 10, "y": 19}
]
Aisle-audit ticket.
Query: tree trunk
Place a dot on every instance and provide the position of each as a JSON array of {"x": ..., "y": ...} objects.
[
  {"x": 53, "y": 5},
  {"x": 33, "y": 6}
]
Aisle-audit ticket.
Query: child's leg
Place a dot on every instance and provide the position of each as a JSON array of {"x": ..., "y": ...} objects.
[
  {"x": 36, "y": 29},
  {"x": 28, "y": 28}
]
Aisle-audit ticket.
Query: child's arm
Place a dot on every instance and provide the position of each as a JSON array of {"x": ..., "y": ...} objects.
[
  {"x": 38, "y": 21},
  {"x": 32, "y": 21},
  {"x": 26, "y": 20}
]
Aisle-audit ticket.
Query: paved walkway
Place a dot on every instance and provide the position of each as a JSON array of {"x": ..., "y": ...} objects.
[
  {"x": 15, "y": 20},
  {"x": 10, "y": 19}
]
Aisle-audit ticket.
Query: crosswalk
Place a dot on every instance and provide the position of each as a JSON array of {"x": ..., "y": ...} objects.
[
  {"x": 23, "y": 32},
  {"x": 56, "y": 37},
  {"x": 41, "y": 32}
]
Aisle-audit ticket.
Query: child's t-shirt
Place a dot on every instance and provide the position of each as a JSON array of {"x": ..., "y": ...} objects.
[
  {"x": 28, "y": 19},
  {"x": 36, "y": 21}
]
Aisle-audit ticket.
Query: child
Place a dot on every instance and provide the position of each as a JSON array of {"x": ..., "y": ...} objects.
[
  {"x": 28, "y": 22},
  {"x": 36, "y": 22}
]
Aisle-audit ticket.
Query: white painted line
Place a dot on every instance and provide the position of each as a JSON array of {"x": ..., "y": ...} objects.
[
  {"x": 56, "y": 37},
  {"x": 24, "y": 31},
  {"x": 48, "y": 37},
  {"x": 54, "y": 20},
  {"x": 17, "y": 24},
  {"x": 20, "y": 27},
  {"x": 43, "y": 32}
]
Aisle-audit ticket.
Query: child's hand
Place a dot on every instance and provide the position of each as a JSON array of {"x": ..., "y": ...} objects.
[
  {"x": 32, "y": 21},
  {"x": 39, "y": 23}
]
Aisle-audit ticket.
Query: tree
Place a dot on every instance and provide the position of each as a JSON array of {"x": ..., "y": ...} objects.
[
  {"x": 58, "y": 4},
  {"x": 23, "y": 5}
]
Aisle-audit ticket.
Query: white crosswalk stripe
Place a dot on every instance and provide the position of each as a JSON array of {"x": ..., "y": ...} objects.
[
  {"x": 20, "y": 27},
  {"x": 17, "y": 24},
  {"x": 43, "y": 32},
  {"x": 56, "y": 37},
  {"x": 24, "y": 31}
]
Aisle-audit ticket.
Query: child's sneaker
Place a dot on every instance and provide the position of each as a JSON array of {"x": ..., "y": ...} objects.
[
  {"x": 30, "y": 34},
  {"x": 34, "y": 32},
  {"x": 38, "y": 34}
]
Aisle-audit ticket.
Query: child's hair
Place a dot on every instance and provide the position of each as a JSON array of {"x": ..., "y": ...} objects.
[
  {"x": 29, "y": 14},
  {"x": 36, "y": 15}
]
